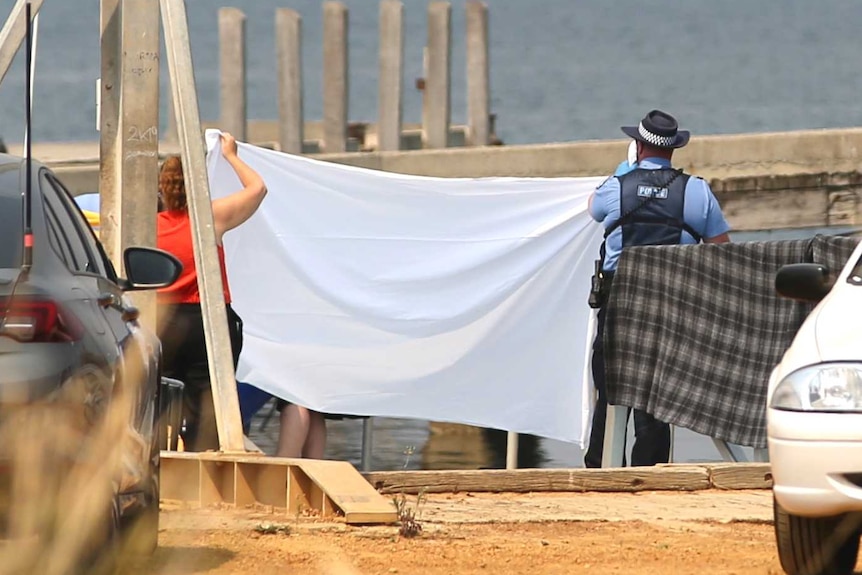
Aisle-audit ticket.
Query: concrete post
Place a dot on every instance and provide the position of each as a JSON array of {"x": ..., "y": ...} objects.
[
  {"x": 391, "y": 66},
  {"x": 184, "y": 95},
  {"x": 109, "y": 122},
  {"x": 288, "y": 47},
  {"x": 478, "y": 92},
  {"x": 138, "y": 136},
  {"x": 14, "y": 31},
  {"x": 439, "y": 73},
  {"x": 335, "y": 86},
  {"x": 234, "y": 110}
]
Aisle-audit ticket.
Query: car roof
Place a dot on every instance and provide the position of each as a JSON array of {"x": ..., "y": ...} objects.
[{"x": 10, "y": 163}]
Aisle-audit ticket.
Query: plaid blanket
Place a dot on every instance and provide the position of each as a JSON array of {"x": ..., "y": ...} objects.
[{"x": 693, "y": 332}]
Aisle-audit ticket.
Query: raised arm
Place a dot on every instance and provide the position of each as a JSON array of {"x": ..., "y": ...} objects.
[{"x": 233, "y": 210}]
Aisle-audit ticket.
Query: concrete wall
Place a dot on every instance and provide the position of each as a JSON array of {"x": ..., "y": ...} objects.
[{"x": 764, "y": 181}]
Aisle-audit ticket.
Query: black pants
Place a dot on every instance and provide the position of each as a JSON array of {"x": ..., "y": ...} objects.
[
  {"x": 652, "y": 437},
  {"x": 184, "y": 357}
]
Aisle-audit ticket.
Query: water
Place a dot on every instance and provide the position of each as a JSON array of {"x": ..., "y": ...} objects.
[{"x": 561, "y": 70}]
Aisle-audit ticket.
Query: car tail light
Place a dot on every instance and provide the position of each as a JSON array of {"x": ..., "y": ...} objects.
[{"x": 39, "y": 320}]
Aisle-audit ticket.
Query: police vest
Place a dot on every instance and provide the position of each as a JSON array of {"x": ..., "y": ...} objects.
[{"x": 652, "y": 208}]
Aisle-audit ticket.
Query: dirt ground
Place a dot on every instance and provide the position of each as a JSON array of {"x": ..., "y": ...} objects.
[{"x": 668, "y": 533}]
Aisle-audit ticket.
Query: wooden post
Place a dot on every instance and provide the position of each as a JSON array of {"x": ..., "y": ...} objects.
[
  {"x": 335, "y": 86},
  {"x": 288, "y": 47},
  {"x": 478, "y": 92},
  {"x": 391, "y": 66},
  {"x": 171, "y": 124},
  {"x": 14, "y": 32},
  {"x": 210, "y": 286},
  {"x": 109, "y": 122},
  {"x": 439, "y": 73},
  {"x": 138, "y": 135},
  {"x": 234, "y": 110}
]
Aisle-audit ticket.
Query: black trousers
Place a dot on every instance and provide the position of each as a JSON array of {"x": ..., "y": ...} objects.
[
  {"x": 652, "y": 437},
  {"x": 184, "y": 357}
]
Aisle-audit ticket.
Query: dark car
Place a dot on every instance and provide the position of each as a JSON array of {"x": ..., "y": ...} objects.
[{"x": 80, "y": 429}]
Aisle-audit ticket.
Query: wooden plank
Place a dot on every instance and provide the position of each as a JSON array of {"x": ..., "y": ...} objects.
[
  {"x": 184, "y": 94},
  {"x": 288, "y": 484},
  {"x": 14, "y": 32},
  {"x": 740, "y": 476},
  {"x": 180, "y": 479},
  {"x": 347, "y": 489},
  {"x": 630, "y": 479}
]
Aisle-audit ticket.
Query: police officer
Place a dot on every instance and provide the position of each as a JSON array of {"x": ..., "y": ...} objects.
[{"x": 651, "y": 204}]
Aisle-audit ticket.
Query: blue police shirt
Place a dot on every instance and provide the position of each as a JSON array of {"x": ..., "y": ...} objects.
[{"x": 702, "y": 211}]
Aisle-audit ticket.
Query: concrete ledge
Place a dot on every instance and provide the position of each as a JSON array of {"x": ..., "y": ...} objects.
[{"x": 673, "y": 477}]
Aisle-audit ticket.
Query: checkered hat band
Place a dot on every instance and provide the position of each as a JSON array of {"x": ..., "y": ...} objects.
[{"x": 654, "y": 139}]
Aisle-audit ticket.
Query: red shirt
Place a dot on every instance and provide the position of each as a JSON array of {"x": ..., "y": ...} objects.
[{"x": 175, "y": 236}]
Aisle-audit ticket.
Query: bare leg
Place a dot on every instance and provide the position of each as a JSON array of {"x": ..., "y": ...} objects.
[
  {"x": 315, "y": 443},
  {"x": 294, "y": 430}
]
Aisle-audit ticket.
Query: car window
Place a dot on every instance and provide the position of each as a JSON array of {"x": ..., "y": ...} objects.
[
  {"x": 70, "y": 227},
  {"x": 57, "y": 238},
  {"x": 103, "y": 264}
]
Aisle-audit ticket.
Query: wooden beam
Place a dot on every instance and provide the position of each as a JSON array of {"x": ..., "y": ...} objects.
[
  {"x": 109, "y": 124},
  {"x": 740, "y": 476},
  {"x": 329, "y": 487},
  {"x": 14, "y": 31},
  {"x": 628, "y": 479},
  {"x": 218, "y": 343}
]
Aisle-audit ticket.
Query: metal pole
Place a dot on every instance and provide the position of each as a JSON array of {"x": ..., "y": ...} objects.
[
  {"x": 367, "y": 442},
  {"x": 511, "y": 450},
  {"x": 615, "y": 436},
  {"x": 478, "y": 92},
  {"x": 334, "y": 77},
  {"x": 222, "y": 375},
  {"x": 110, "y": 215},
  {"x": 13, "y": 33},
  {"x": 234, "y": 110},
  {"x": 391, "y": 67},
  {"x": 439, "y": 73},
  {"x": 288, "y": 46},
  {"x": 138, "y": 142}
]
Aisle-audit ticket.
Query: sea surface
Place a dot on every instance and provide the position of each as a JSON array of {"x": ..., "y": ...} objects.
[{"x": 561, "y": 70}]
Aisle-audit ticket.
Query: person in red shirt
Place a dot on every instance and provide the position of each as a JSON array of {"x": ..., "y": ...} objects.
[{"x": 179, "y": 311}]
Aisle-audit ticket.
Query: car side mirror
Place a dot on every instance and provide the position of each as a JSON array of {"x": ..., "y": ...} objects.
[
  {"x": 149, "y": 268},
  {"x": 804, "y": 282}
]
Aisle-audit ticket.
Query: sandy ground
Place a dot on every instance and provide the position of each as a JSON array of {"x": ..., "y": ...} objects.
[{"x": 667, "y": 533}]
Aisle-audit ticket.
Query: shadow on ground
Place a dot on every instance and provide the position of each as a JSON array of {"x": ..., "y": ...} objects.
[{"x": 169, "y": 560}]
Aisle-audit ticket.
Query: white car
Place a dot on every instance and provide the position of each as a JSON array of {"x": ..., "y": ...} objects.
[{"x": 814, "y": 423}]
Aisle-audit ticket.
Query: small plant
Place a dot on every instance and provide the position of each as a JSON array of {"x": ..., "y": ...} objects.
[
  {"x": 408, "y": 451},
  {"x": 409, "y": 515},
  {"x": 272, "y": 529}
]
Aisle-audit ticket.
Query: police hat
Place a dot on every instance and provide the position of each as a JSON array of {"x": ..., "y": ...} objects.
[{"x": 658, "y": 129}]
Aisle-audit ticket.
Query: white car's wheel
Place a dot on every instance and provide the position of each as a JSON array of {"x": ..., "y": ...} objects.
[{"x": 816, "y": 545}]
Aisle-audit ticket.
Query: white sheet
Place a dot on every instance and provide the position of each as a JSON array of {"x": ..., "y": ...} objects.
[{"x": 444, "y": 299}]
